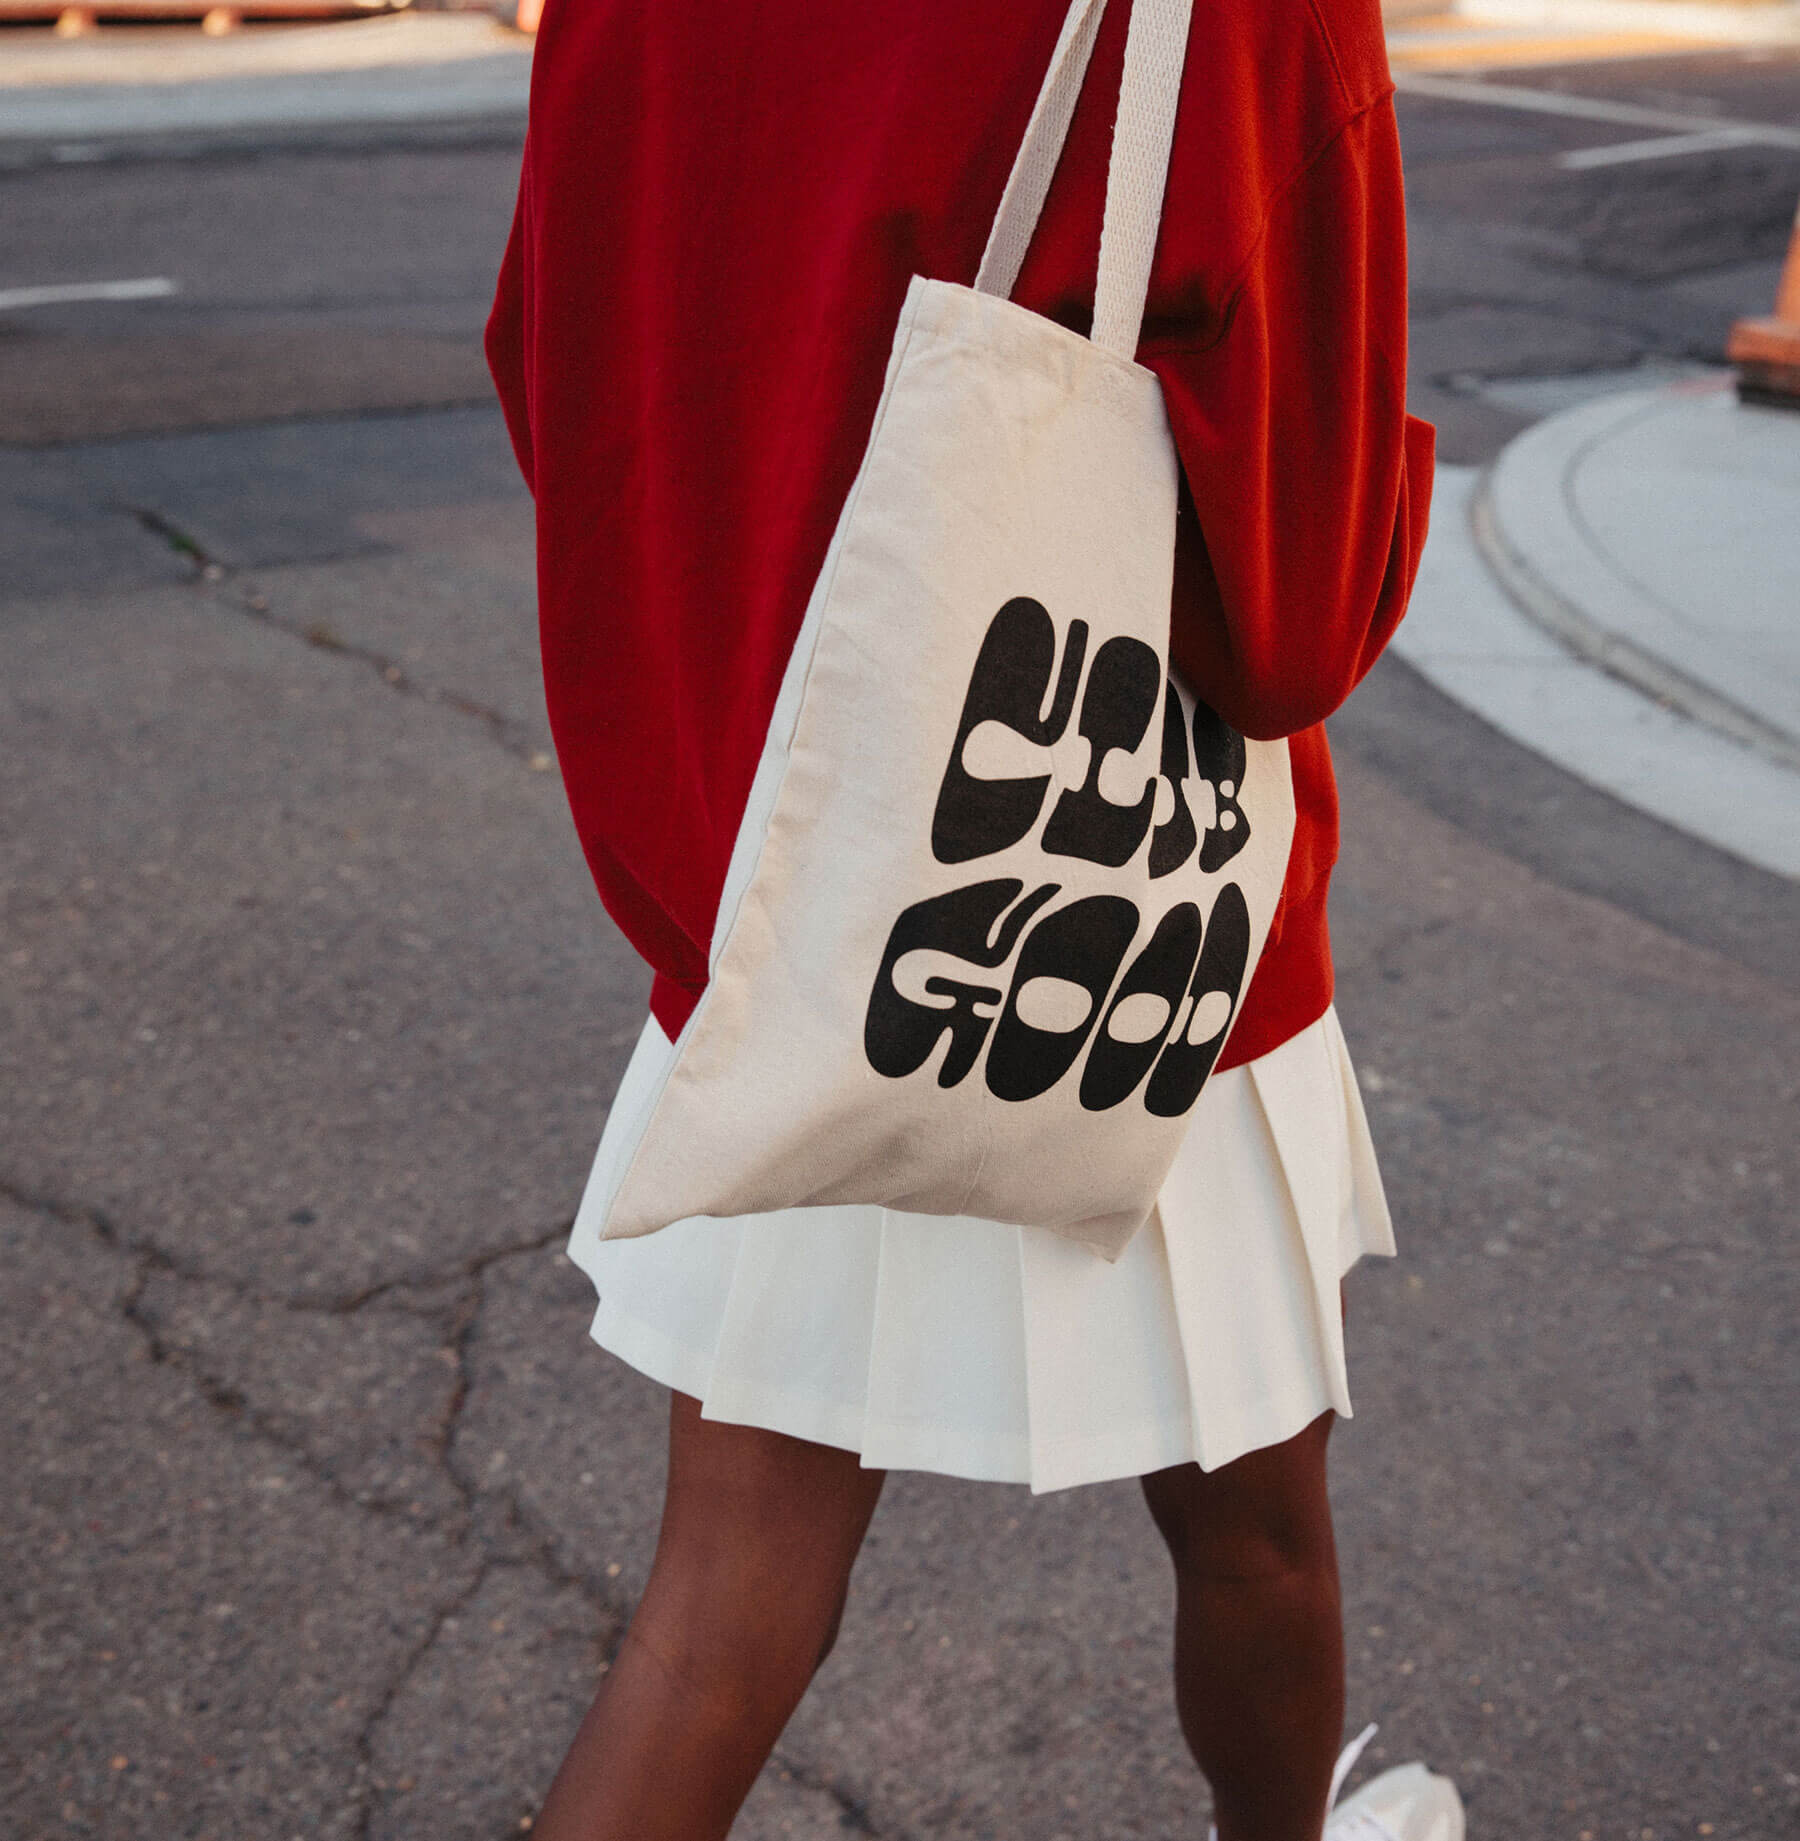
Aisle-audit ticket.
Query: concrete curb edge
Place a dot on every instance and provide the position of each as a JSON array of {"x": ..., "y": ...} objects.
[{"x": 1569, "y": 593}]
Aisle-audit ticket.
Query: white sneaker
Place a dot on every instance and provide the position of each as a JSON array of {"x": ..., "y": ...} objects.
[{"x": 1408, "y": 1803}]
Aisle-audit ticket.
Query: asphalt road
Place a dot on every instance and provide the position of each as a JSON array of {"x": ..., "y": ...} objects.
[
  {"x": 323, "y": 1512},
  {"x": 338, "y": 279}
]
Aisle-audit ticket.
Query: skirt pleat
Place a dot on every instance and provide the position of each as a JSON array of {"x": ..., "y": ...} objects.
[{"x": 978, "y": 1349}]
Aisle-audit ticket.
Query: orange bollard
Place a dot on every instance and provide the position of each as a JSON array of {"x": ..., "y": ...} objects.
[{"x": 1767, "y": 351}]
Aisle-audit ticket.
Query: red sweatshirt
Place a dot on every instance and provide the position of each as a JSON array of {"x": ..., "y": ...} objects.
[{"x": 720, "y": 210}]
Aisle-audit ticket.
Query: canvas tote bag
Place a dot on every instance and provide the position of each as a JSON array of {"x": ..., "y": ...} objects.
[{"x": 1002, "y": 881}]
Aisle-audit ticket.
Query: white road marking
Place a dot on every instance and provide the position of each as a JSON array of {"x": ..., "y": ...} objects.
[
  {"x": 1592, "y": 108},
  {"x": 1657, "y": 147},
  {"x": 147, "y": 287}
]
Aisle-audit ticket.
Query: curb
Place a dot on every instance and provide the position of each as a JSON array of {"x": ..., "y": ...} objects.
[
  {"x": 1775, "y": 22},
  {"x": 1467, "y": 635},
  {"x": 1563, "y": 584}
]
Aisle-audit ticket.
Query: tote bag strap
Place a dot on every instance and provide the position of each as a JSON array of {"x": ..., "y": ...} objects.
[
  {"x": 1028, "y": 184},
  {"x": 1137, "y": 170}
]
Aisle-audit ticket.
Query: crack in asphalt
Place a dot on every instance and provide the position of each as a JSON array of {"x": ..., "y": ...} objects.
[
  {"x": 853, "y": 1811},
  {"x": 539, "y": 1550},
  {"x": 369, "y": 1787},
  {"x": 237, "y": 590},
  {"x": 487, "y": 1516},
  {"x": 533, "y": 1536},
  {"x": 226, "y": 1397},
  {"x": 151, "y": 1261},
  {"x": 342, "y": 1304},
  {"x": 229, "y": 1399},
  {"x": 491, "y": 1522}
]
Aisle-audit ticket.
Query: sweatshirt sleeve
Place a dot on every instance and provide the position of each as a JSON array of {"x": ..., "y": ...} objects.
[
  {"x": 504, "y": 340},
  {"x": 1306, "y": 484}
]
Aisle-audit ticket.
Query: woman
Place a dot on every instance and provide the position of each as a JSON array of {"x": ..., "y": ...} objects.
[{"x": 720, "y": 212}]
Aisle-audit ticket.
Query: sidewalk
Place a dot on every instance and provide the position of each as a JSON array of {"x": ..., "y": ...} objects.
[
  {"x": 1476, "y": 35},
  {"x": 123, "y": 84},
  {"x": 1620, "y": 592}
]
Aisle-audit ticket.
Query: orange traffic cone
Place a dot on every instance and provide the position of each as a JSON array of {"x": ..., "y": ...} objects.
[
  {"x": 526, "y": 15},
  {"x": 1767, "y": 351}
]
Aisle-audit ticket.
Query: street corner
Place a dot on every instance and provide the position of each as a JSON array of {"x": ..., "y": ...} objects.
[
  {"x": 1612, "y": 548},
  {"x": 1613, "y": 593},
  {"x": 1659, "y": 526}
]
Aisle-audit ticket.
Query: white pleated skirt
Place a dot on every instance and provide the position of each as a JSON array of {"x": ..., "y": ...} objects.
[{"x": 983, "y": 1350}]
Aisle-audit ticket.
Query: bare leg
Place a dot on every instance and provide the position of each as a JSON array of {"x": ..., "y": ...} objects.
[
  {"x": 1259, "y": 1639},
  {"x": 759, "y": 1534}
]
